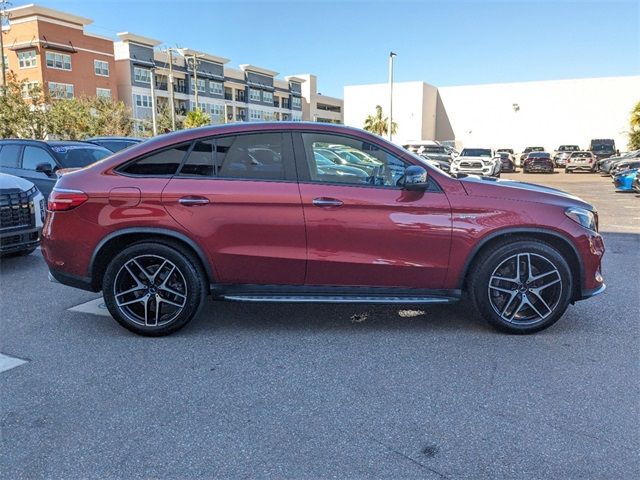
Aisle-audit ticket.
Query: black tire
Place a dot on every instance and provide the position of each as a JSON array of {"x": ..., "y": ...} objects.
[
  {"x": 527, "y": 299},
  {"x": 566, "y": 170},
  {"x": 169, "y": 277}
]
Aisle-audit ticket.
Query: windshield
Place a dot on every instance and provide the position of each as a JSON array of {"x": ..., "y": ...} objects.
[
  {"x": 603, "y": 148},
  {"x": 429, "y": 163},
  {"x": 476, "y": 152},
  {"x": 78, "y": 156},
  {"x": 434, "y": 150},
  {"x": 581, "y": 155},
  {"x": 539, "y": 155}
]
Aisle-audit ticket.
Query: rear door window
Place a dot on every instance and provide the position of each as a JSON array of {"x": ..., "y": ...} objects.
[
  {"x": 34, "y": 156},
  {"x": 162, "y": 163},
  {"x": 254, "y": 156},
  {"x": 10, "y": 156}
]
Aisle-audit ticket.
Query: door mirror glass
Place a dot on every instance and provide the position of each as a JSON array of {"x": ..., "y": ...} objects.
[
  {"x": 45, "y": 168},
  {"x": 414, "y": 178}
]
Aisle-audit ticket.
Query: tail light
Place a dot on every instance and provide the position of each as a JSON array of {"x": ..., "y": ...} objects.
[{"x": 62, "y": 199}]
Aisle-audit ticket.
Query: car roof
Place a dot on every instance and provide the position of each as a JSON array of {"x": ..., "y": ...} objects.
[
  {"x": 69, "y": 142},
  {"x": 114, "y": 138}
]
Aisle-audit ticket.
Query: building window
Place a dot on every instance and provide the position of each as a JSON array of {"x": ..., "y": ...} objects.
[
  {"x": 141, "y": 75},
  {"x": 241, "y": 96},
  {"x": 267, "y": 97},
  {"x": 296, "y": 117},
  {"x": 60, "y": 90},
  {"x": 202, "y": 85},
  {"x": 27, "y": 59},
  {"x": 59, "y": 61},
  {"x": 295, "y": 102},
  {"x": 27, "y": 88},
  {"x": 103, "y": 93},
  {"x": 215, "y": 87},
  {"x": 254, "y": 95},
  {"x": 255, "y": 115},
  {"x": 101, "y": 68},
  {"x": 142, "y": 100},
  {"x": 217, "y": 109},
  {"x": 5, "y": 61}
]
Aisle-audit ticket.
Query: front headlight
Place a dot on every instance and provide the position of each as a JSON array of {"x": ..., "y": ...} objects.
[{"x": 584, "y": 217}]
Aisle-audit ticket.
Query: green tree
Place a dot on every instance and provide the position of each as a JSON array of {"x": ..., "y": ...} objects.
[
  {"x": 163, "y": 121},
  {"x": 197, "y": 118},
  {"x": 379, "y": 124},
  {"x": 22, "y": 110},
  {"x": 634, "y": 128},
  {"x": 78, "y": 118}
]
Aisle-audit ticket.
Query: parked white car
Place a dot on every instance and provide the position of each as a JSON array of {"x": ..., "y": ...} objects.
[
  {"x": 22, "y": 212},
  {"x": 476, "y": 161}
]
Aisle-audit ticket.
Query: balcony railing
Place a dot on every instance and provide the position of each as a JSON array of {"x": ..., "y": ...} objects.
[
  {"x": 241, "y": 97},
  {"x": 228, "y": 96}
]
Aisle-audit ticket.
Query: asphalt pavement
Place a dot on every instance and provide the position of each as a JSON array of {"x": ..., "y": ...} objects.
[{"x": 327, "y": 391}]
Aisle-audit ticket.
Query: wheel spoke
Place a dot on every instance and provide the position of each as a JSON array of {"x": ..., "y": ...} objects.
[
  {"x": 500, "y": 289},
  {"x": 142, "y": 269},
  {"x": 166, "y": 279},
  {"x": 155, "y": 275},
  {"x": 541, "y": 300},
  {"x": 504, "y": 279},
  {"x": 533, "y": 307},
  {"x": 134, "y": 276},
  {"x": 146, "y": 310},
  {"x": 181, "y": 296},
  {"x": 508, "y": 304},
  {"x": 130, "y": 302},
  {"x": 517, "y": 309},
  {"x": 164, "y": 300},
  {"x": 131, "y": 290}
]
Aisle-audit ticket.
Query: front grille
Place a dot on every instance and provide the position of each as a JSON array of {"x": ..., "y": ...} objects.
[
  {"x": 16, "y": 208},
  {"x": 470, "y": 164}
]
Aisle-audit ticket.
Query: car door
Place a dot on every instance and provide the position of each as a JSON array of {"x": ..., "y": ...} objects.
[
  {"x": 238, "y": 196},
  {"x": 32, "y": 156},
  {"x": 370, "y": 232}
]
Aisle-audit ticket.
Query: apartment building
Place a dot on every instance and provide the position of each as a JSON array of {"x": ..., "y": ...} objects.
[
  {"x": 52, "y": 49},
  {"x": 201, "y": 80},
  {"x": 317, "y": 107}
]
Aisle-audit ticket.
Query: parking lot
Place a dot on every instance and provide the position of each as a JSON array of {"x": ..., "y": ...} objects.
[{"x": 326, "y": 391}]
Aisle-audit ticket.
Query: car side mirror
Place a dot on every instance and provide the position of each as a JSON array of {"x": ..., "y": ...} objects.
[
  {"x": 414, "y": 178},
  {"x": 45, "y": 168}
]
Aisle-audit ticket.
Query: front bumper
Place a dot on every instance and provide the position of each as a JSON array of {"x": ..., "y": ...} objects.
[
  {"x": 19, "y": 240},
  {"x": 592, "y": 292}
]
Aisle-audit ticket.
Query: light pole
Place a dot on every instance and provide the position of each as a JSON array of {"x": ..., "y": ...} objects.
[
  {"x": 193, "y": 60},
  {"x": 391, "y": 57},
  {"x": 154, "y": 121},
  {"x": 3, "y": 15},
  {"x": 172, "y": 102}
]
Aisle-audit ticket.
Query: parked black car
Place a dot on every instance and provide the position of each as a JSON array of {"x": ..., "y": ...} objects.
[
  {"x": 538, "y": 162},
  {"x": 38, "y": 161},
  {"x": 527, "y": 151},
  {"x": 508, "y": 163},
  {"x": 22, "y": 213},
  {"x": 115, "y": 144}
]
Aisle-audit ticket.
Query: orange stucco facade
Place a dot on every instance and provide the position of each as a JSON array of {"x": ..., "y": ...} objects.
[{"x": 44, "y": 34}]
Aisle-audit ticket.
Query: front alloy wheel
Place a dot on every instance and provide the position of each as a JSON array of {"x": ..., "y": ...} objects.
[{"x": 521, "y": 286}]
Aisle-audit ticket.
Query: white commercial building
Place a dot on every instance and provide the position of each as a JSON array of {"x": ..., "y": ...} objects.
[{"x": 507, "y": 115}]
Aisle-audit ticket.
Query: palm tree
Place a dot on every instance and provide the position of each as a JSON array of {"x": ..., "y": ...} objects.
[
  {"x": 634, "y": 124},
  {"x": 379, "y": 124}
]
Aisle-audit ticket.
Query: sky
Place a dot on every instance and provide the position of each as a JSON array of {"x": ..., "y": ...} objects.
[{"x": 443, "y": 43}]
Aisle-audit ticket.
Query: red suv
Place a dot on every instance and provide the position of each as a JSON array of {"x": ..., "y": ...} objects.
[{"x": 264, "y": 212}]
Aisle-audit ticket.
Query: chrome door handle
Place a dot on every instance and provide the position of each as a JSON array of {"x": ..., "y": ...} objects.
[
  {"x": 193, "y": 201},
  {"x": 327, "y": 202}
]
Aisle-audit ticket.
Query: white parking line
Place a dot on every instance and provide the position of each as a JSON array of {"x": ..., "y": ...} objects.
[
  {"x": 7, "y": 362},
  {"x": 94, "y": 307}
]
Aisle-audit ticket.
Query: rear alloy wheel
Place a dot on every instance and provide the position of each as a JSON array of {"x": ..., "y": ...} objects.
[
  {"x": 152, "y": 289},
  {"x": 522, "y": 287}
]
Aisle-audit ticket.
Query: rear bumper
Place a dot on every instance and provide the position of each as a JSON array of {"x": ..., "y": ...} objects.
[
  {"x": 588, "y": 293},
  {"x": 586, "y": 168},
  {"x": 539, "y": 168},
  {"x": 83, "y": 283}
]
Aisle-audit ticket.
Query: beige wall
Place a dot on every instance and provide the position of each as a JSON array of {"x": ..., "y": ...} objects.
[
  {"x": 414, "y": 107},
  {"x": 551, "y": 112}
]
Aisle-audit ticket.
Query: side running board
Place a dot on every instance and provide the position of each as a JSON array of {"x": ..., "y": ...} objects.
[{"x": 339, "y": 299}]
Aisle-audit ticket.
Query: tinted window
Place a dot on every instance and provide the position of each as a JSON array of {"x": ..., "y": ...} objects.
[
  {"x": 9, "y": 156},
  {"x": 165, "y": 162},
  {"x": 34, "y": 156},
  {"x": 476, "y": 152},
  {"x": 255, "y": 156},
  {"x": 336, "y": 159},
  {"x": 78, "y": 156},
  {"x": 115, "y": 145},
  {"x": 200, "y": 160}
]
